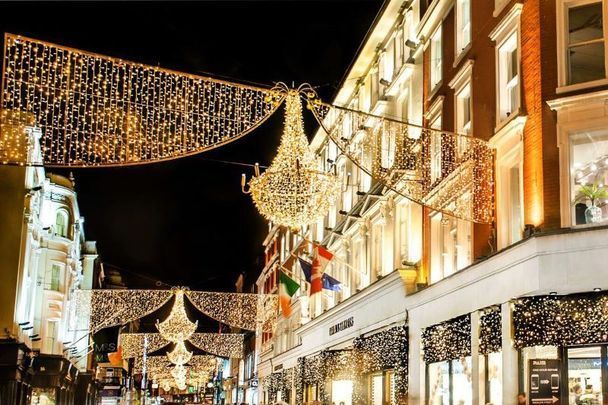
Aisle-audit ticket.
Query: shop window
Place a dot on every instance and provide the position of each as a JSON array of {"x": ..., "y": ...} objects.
[
  {"x": 584, "y": 41},
  {"x": 462, "y": 385},
  {"x": 463, "y": 25},
  {"x": 439, "y": 383},
  {"x": 589, "y": 176},
  {"x": 436, "y": 59},
  {"x": 376, "y": 389},
  {"x": 342, "y": 392},
  {"x": 311, "y": 393},
  {"x": 585, "y": 375},
  {"x": 494, "y": 378},
  {"x": 61, "y": 223}
]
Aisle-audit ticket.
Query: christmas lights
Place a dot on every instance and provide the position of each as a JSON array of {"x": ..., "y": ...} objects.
[
  {"x": 490, "y": 331},
  {"x": 293, "y": 192},
  {"x": 240, "y": 310},
  {"x": 568, "y": 320},
  {"x": 95, "y": 110},
  {"x": 448, "y": 340},
  {"x": 177, "y": 327},
  {"x": 105, "y": 308},
  {"x": 229, "y": 345},
  {"x": 179, "y": 355},
  {"x": 160, "y": 363},
  {"x": 444, "y": 171}
]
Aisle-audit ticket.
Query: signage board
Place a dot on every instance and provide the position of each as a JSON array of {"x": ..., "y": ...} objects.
[
  {"x": 340, "y": 326},
  {"x": 544, "y": 381}
]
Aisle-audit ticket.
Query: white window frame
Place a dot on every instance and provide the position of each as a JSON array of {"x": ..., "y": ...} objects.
[
  {"x": 463, "y": 89},
  {"x": 508, "y": 142},
  {"x": 508, "y": 27},
  {"x": 462, "y": 42},
  {"x": 562, "y": 45},
  {"x": 435, "y": 113},
  {"x": 436, "y": 68}
]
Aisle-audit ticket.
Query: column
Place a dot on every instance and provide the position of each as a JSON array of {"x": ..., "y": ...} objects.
[
  {"x": 476, "y": 378},
  {"x": 510, "y": 367}
]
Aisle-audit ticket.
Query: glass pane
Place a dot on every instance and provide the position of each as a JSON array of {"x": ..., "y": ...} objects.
[
  {"x": 439, "y": 383},
  {"x": 585, "y": 23},
  {"x": 586, "y": 63},
  {"x": 585, "y": 375},
  {"x": 462, "y": 383},
  {"x": 589, "y": 176},
  {"x": 376, "y": 390},
  {"x": 495, "y": 377},
  {"x": 342, "y": 392}
]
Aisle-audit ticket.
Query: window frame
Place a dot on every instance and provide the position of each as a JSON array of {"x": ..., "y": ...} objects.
[
  {"x": 434, "y": 114},
  {"x": 436, "y": 69},
  {"x": 461, "y": 83},
  {"x": 460, "y": 46},
  {"x": 563, "y": 47}
]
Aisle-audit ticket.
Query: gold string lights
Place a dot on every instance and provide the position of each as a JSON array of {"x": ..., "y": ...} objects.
[
  {"x": 228, "y": 345},
  {"x": 292, "y": 192},
  {"x": 447, "y": 172},
  {"x": 177, "y": 327},
  {"x": 179, "y": 355},
  {"x": 94, "y": 110}
]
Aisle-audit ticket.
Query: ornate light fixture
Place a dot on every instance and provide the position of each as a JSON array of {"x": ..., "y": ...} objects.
[
  {"x": 292, "y": 191},
  {"x": 180, "y": 355},
  {"x": 177, "y": 327}
]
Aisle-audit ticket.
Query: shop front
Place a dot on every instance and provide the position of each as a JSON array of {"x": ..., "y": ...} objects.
[
  {"x": 53, "y": 380},
  {"x": 15, "y": 385},
  {"x": 563, "y": 344}
]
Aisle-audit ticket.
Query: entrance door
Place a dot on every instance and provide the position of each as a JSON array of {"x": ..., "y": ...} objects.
[{"x": 342, "y": 392}]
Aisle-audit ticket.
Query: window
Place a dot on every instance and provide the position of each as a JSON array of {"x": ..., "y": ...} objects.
[
  {"x": 377, "y": 231},
  {"x": 376, "y": 385},
  {"x": 585, "y": 377},
  {"x": 399, "y": 50},
  {"x": 439, "y": 383},
  {"x": 387, "y": 149},
  {"x": 494, "y": 380},
  {"x": 462, "y": 387},
  {"x": 51, "y": 335},
  {"x": 403, "y": 231},
  {"x": 450, "y": 382},
  {"x": 463, "y": 117},
  {"x": 436, "y": 59},
  {"x": 342, "y": 392},
  {"x": 54, "y": 277},
  {"x": 463, "y": 25},
  {"x": 450, "y": 245},
  {"x": 589, "y": 176},
  {"x": 508, "y": 77},
  {"x": 61, "y": 223},
  {"x": 435, "y": 148},
  {"x": 584, "y": 38}
]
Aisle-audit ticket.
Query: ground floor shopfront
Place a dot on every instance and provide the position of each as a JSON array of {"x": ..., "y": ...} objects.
[{"x": 532, "y": 318}]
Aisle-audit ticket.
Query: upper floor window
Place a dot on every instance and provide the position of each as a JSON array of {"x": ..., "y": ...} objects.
[
  {"x": 435, "y": 146},
  {"x": 61, "y": 223},
  {"x": 377, "y": 234},
  {"x": 55, "y": 277},
  {"x": 450, "y": 245},
  {"x": 436, "y": 70},
  {"x": 582, "y": 39},
  {"x": 463, "y": 25}
]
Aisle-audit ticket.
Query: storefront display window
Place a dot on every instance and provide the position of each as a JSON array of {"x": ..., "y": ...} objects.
[
  {"x": 585, "y": 375},
  {"x": 381, "y": 388},
  {"x": 462, "y": 388},
  {"x": 439, "y": 383},
  {"x": 376, "y": 389},
  {"x": 342, "y": 392},
  {"x": 494, "y": 381},
  {"x": 589, "y": 176},
  {"x": 43, "y": 396}
]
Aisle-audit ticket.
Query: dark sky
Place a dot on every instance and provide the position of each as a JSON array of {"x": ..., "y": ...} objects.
[{"x": 186, "y": 222}]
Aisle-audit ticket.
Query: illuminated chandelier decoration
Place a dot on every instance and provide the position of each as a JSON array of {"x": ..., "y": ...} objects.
[
  {"x": 228, "y": 345},
  {"x": 179, "y": 355},
  {"x": 177, "y": 327},
  {"x": 179, "y": 373},
  {"x": 293, "y": 192}
]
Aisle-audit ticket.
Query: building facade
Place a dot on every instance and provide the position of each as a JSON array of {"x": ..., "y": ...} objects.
[
  {"x": 438, "y": 309},
  {"x": 44, "y": 258}
]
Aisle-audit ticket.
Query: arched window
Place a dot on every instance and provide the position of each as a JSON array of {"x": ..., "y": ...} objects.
[{"x": 61, "y": 223}]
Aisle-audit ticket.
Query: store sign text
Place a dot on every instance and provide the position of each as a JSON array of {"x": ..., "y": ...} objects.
[{"x": 340, "y": 326}]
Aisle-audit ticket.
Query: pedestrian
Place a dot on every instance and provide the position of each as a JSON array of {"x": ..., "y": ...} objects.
[{"x": 522, "y": 399}]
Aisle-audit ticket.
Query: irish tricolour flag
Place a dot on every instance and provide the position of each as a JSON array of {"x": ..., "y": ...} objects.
[{"x": 287, "y": 288}]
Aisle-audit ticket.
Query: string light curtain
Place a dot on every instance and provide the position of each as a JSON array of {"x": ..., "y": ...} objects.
[
  {"x": 240, "y": 310},
  {"x": 490, "y": 331},
  {"x": 561, "y": 320},
  {"x": 180, "y": 355},
  {"x": 160, "y": 363},
  {"x": 106, "y": 308},
  {"x": 444, "y": 171},
  {"x": 95, "y": 110},
  {"x": 448, "y": 340},
  {"x": 228, "y": 345},
  {"x": 293, "y": 192}
]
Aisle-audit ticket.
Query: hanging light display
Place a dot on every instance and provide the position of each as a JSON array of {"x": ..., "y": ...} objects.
[
  {"x": 293, "y": 192},
  {"x": 95, "y": 110},
  {"x": 229, "y": 345},
  {"x": 448, "y": 340},
  {"x": 177, "y": 327},
  {"x": 179, "y": 355}
]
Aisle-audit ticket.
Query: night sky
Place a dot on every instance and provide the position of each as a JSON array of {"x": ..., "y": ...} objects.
[{"x": 186, "y": 222}]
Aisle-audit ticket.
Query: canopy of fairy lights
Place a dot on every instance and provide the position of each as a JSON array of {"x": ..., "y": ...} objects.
[
  {"x": 228, "y": 345},
  {"x": 94, "y": 110},
  {"x": 105, "y": 308},
  {"x": 293, "y": 192},
  {"x": 91, "y": 110}
]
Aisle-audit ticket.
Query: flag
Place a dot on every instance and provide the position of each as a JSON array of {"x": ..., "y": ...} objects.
[
  {"x": 306, "y": 268},
  {"x": 287, "y": 288},
  {"x": 321, "y": 257},
  {"x": 330, "y": 283}
]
